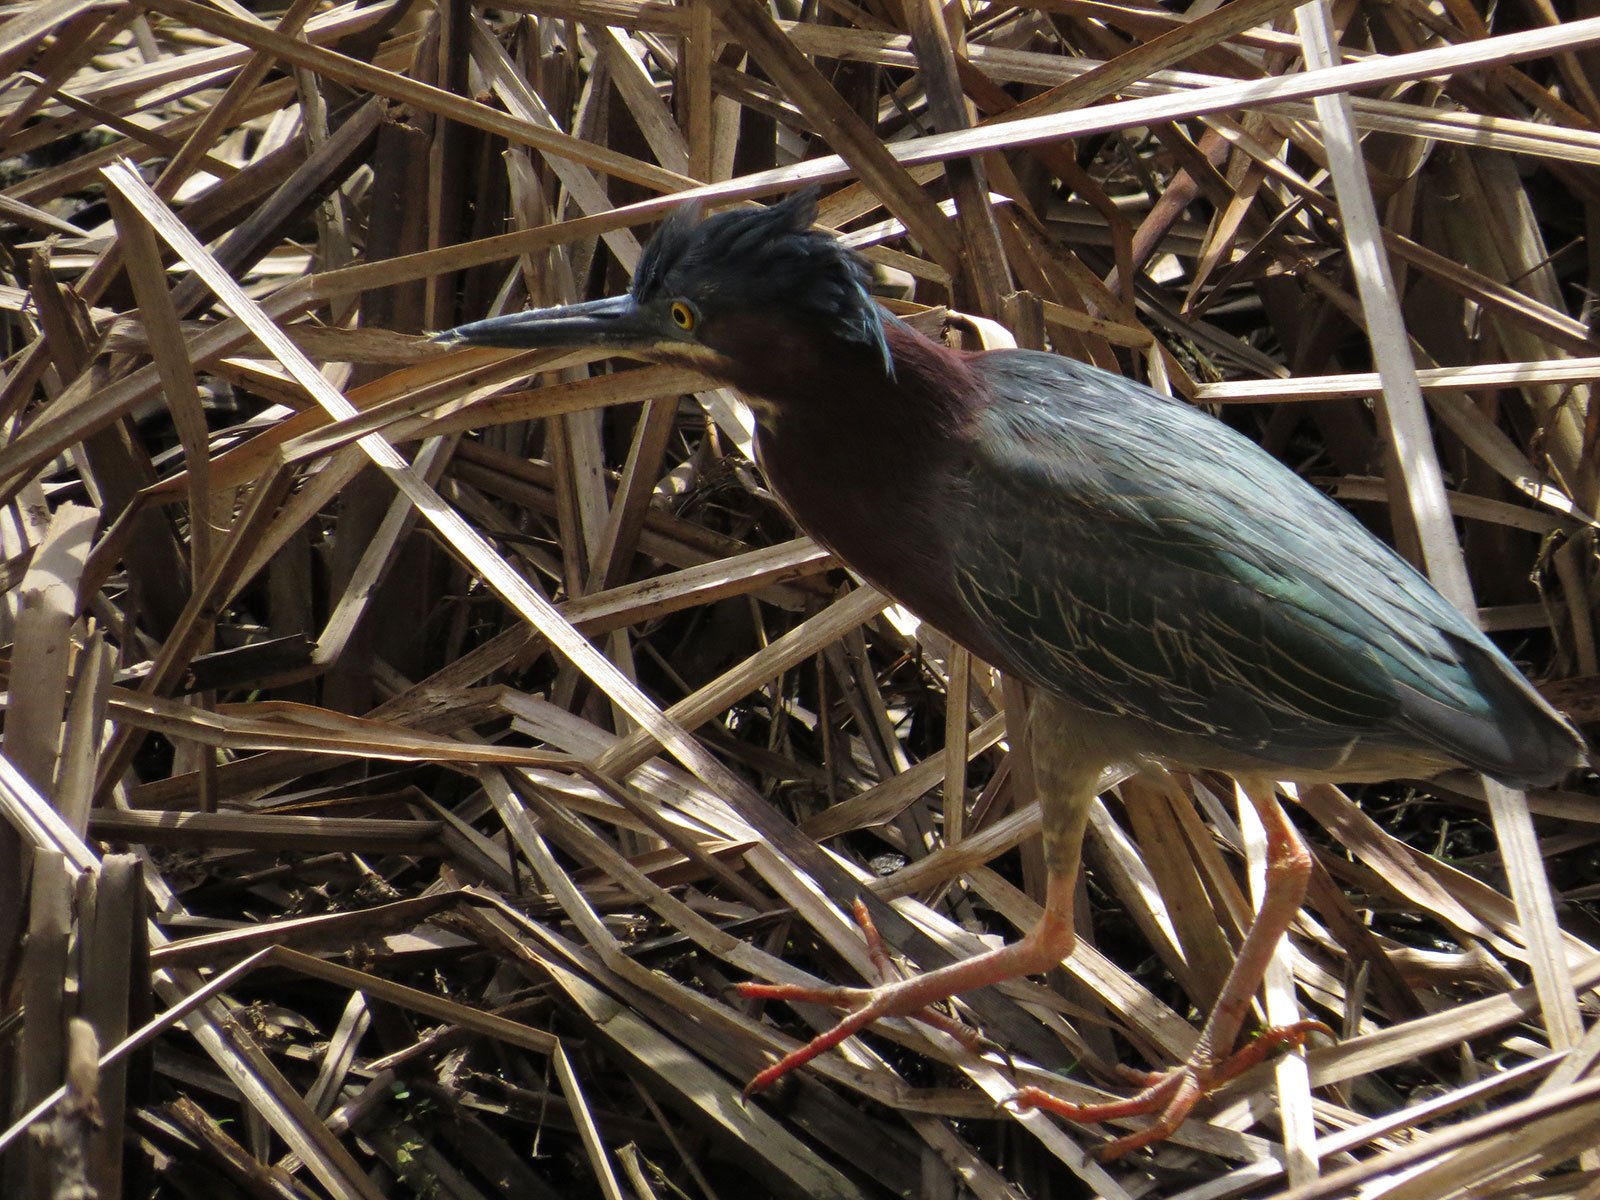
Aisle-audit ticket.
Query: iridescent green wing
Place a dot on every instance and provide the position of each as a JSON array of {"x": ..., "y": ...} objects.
[{"x": 1140, "y": 558}]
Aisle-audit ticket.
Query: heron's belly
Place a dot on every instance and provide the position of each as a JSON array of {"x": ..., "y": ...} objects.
[{"x": 1133, "y": 742}]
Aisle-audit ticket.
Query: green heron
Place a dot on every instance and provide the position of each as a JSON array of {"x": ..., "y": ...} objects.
[{"x": 1171, "y": 592}]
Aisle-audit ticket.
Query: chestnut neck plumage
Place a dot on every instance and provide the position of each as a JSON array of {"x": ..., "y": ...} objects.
[
  {"x": 798, "y": 374},
  {"x": 826, "y": 414}
]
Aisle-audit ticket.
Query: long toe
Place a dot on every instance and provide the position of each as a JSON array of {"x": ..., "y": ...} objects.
[
  {"x": 795, "y": 993},
  {"x": 1152, "y": 1099},
  {"x": 1184, "y": 1097},
  {"x": 1169, "y": 1099},
  {"x": 865, "y": 1005},
  {"x": 848, "y": 1027},
  {"x": 1170, "y": 1095},
  {"x": 1261, "y": 1047}
]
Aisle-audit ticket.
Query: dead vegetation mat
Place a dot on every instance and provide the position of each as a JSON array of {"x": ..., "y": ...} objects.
[{"x": 406, "y": 750}]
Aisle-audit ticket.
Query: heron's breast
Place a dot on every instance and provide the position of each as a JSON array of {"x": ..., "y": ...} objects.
[{"x": 886, "y": 517}]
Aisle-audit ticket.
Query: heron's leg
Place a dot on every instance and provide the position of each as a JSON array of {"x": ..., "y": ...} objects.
[
  {"x": 1066, "y": 786},
  {"x": 1172, "y": 1094},
  {"x": 1041, "y": 949},
  {"x": 1288, "y": 874}
]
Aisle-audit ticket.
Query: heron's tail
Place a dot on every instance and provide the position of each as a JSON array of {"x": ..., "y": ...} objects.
[{"x": 1514, "y": 736}]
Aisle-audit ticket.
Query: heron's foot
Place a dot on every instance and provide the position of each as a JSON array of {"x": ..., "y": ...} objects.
[
  {"x": 1169, "y": 1095},
  {"x": 899, "y": 998}
]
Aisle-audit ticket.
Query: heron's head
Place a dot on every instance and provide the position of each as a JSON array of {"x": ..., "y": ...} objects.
[{"x": 731, "y": 293}]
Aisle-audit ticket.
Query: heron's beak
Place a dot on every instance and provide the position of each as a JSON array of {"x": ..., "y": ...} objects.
[{"x": 616, "y": 321}]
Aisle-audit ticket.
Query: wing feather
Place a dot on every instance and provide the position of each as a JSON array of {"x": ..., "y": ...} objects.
[{"x": 1142, "y": 559}]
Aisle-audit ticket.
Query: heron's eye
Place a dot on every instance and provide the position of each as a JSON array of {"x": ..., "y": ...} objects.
[{"x": 682, "y": 315}]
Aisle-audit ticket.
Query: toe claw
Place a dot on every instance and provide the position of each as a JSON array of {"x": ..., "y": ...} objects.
[
  {"x": 1139, "y": 1079},
  {"x": 1168, "y": 1095},
  {"x": 795, "y": 993},
  {"x": 1262, "y": 1047}
]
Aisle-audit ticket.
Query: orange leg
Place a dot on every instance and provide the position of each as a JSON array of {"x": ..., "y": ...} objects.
[
  {"x": 1045, "y": 945},
  {"x": 1067, "y": 773},
  {"x": 1067, "y": 781},
  {"x": 1170, "y": 1095}
]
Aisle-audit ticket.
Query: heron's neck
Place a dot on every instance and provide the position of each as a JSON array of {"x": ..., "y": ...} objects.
[
  {"x": 866, "y": 463},
  {"x": 828, "y": 387}
]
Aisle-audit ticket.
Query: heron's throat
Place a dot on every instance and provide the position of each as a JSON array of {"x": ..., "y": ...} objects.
[{"x": 800, "y": 377}]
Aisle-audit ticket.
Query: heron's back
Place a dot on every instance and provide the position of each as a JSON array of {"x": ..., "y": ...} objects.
[{"x": 1163, "y": 573}]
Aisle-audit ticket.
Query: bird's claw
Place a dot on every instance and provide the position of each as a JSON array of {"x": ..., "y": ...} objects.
[
  {"x": 1168, "y": 1095},
  {"x": 864, "y": 1006}
]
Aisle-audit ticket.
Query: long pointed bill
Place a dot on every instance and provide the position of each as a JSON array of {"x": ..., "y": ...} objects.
[{"x": 615, "y": 321}]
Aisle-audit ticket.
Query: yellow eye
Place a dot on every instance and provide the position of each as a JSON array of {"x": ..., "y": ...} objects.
[{"x": 682, "y": 315}]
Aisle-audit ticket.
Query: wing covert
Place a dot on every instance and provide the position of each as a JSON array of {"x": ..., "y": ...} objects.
[{"x": 1122, "y": 559}]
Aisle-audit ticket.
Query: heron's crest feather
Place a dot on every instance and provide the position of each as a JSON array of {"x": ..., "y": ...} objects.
[{"x": 764, "y": 259}]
